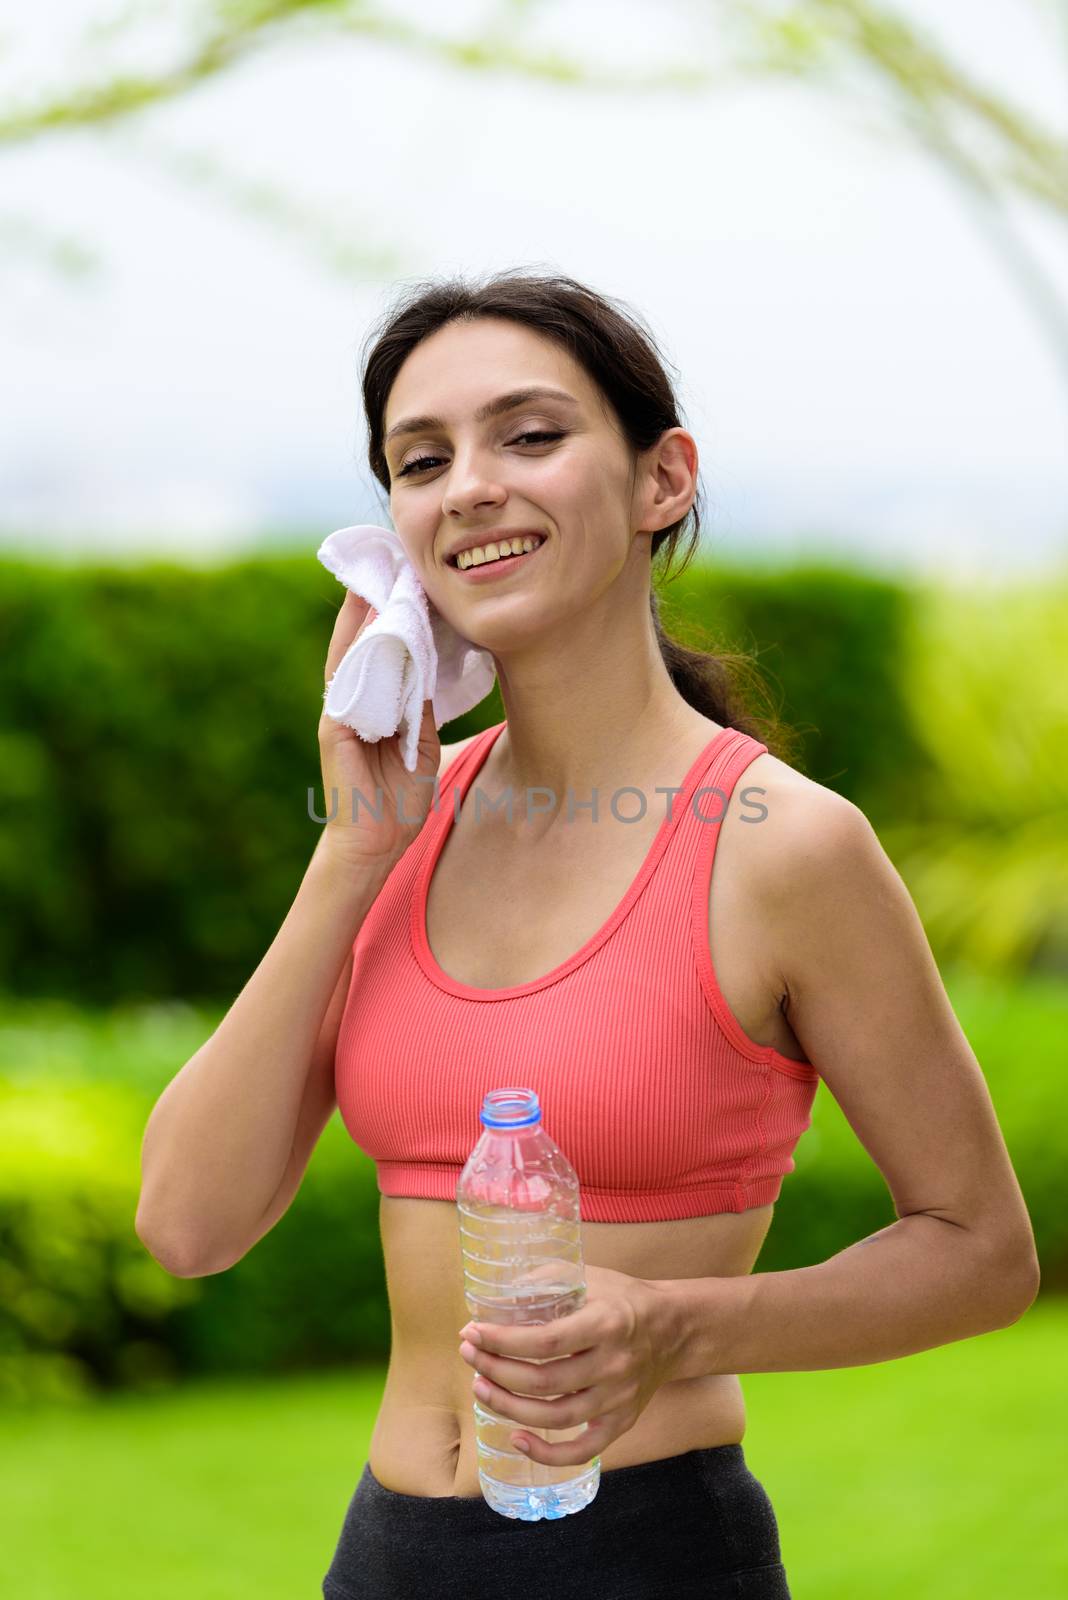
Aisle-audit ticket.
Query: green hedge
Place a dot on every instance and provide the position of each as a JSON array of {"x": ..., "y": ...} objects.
[
  {"x": 158, "y": 745},
  {"x": 831, "y": 641},
  {"x": 158, "y": 741},
  {"x": 83, "y": 1306}
]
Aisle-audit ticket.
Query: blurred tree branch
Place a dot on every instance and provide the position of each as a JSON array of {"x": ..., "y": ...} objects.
[
  {"x": 823, "y": 40},
  {"x": 993, "y": 149},
  {"x": 940, "y": 107},
  {"x": 235, "y": 29}
]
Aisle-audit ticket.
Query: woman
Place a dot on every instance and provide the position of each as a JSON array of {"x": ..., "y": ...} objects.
[{"x": 674, "y": 1021}]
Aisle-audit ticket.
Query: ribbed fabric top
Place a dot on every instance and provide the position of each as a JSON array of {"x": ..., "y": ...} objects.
[{"x": 663, "y": 1105}]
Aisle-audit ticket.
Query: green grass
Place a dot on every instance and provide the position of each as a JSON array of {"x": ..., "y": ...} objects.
[{"x": 938, "y": 1477}]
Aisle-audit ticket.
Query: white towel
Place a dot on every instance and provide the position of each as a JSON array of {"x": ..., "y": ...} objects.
[{"x": 407, "y": 655}]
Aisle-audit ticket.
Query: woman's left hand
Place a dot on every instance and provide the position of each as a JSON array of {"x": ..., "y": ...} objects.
[{"x": 604, "y": 1363}]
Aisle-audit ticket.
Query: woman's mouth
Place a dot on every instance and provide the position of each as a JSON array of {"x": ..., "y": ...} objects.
[{"x": 496, "y": 558}]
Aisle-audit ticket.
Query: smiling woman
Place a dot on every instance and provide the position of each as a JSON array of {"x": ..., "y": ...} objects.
[{"x": 673, "y": 985}]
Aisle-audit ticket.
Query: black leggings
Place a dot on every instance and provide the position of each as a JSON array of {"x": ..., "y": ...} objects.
[{"x": 697, "y": 1526}]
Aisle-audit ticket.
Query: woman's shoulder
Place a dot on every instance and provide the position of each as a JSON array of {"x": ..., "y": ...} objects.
[{"x": 802, "y": 832}]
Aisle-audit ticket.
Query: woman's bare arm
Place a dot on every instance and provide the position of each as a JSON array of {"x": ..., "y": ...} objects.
[
  {"x": 220, "y": 1137},
  {"x": 229, "y": 1139},
  {"x": 867, "y": 1003},
  {"x": 319, "y": 1099}
]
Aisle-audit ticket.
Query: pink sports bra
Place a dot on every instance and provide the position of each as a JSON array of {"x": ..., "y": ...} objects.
[{"x": 664, "y": 1106}]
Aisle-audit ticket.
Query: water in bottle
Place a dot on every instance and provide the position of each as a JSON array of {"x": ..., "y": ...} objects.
[{"x": 521, "y": 1246}]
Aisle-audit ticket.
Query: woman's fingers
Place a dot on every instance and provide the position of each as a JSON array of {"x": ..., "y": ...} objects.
[{"x": 353, "y": 614}]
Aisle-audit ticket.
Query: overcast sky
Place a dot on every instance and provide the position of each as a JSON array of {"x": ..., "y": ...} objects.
[{"x": 859, "y": 368}]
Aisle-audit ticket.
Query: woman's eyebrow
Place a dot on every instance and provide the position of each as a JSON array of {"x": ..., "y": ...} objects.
[{"x": 492, "y": 408}]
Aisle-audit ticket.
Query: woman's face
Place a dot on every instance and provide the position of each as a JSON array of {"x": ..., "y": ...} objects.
[{"x": 465, "y": 478}]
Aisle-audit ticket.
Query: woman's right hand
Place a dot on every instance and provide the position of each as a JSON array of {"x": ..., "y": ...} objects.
[{"x": 353, "y": 834}]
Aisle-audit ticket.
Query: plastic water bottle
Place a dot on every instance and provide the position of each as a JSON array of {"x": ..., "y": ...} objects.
[{"x": 521, "y": 1244}]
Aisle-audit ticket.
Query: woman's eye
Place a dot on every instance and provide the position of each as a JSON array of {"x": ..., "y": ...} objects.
[{"x": 421, "y": 463}]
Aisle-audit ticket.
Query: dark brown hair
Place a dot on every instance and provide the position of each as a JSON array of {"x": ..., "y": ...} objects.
[{"x": 621, "y": 357}]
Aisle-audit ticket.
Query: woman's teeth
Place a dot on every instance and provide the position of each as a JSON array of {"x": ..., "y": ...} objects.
[{"x": 482, "y": 553}]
